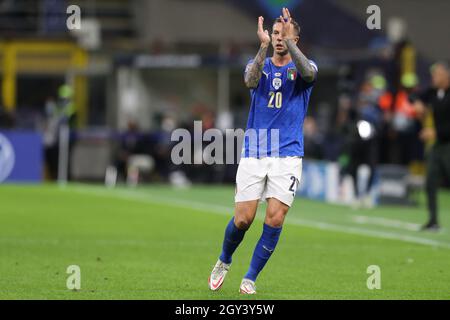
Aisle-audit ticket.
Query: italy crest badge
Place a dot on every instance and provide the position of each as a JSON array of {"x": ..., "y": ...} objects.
[{"x": 292, "y": 74}]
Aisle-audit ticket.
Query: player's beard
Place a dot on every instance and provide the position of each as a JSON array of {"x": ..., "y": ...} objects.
[
  {"x": 277, "y": 52},
  {"x": 282, "y": 53}
]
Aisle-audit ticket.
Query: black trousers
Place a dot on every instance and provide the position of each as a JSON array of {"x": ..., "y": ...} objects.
[
  {"x": 438, "y": 167},
  {"x": 363, "y": 152}
]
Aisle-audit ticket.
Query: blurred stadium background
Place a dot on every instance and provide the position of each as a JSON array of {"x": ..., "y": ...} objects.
[{"x": 80, "y": 109}]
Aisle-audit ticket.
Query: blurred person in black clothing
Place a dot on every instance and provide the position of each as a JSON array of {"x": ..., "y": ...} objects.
[
  {"x": 312, "y": 140},
  {"x": 437, "y": 100},
  {"x": 361, "y": 129},
  {"x": 162, "y": 145},
  {"x": 130, "y": 143}
]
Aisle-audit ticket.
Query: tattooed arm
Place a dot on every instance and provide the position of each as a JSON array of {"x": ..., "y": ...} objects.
[
  {"x": 307, "y": 71},
  {"x": 255, "y": 69}
]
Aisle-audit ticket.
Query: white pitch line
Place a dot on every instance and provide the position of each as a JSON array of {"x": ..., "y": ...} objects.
[
  {"x": 384, "y": 222},
  {"x": 227, "y": 211}
]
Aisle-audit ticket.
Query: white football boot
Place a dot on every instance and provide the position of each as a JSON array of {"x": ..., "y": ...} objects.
[
  {"x": 247, "y": 287},
  {"x": 218, "y": 274}
]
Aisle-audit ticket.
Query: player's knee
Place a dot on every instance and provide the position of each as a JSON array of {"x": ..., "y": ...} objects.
[
  {"x": 275, "y": 222},
  {"x": 275, "y": 217},
  {"x": 242, "y": 222}
]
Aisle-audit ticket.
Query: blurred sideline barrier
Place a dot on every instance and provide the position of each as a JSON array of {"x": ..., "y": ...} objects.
[
  {"x": 94, "y": 156},
  {"x": 91, "y": 153},
  {"x": 89, "y": 158},
  {"x": 392, "y": 185},
  {"x": 21, "y": 156},
  {"x": 397, "y": 185}
]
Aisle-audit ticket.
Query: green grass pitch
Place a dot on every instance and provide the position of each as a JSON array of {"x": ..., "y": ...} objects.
[{"x": 161, "y": 243}]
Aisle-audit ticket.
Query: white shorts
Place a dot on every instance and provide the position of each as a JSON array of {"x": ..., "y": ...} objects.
[{"x": 268, "y": 178}]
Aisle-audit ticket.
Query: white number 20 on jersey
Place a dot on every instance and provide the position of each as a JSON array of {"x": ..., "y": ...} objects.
[{"x": 276, "y": 97}]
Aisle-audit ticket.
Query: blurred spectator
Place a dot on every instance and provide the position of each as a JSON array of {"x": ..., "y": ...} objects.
[
  {"x": 401, "y": 125},
  {"x": 312, "y": 139},
  {"x": 346, "y": 126},
  {"x": 163, "y": 145},
  {"x": 51, "y": 127},
  {"x": 199, "y": 171},
  {"x": 57, "y": 113},
  {"x": 361, "y": 127},
  {"x": 436, "y": 99},
  {"x": 130, "y": 143}
]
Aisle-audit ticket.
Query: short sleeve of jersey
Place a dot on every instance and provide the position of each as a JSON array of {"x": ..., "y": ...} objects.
[
  {"x": 314, "y": 65},
  {"x": 316, "y": 69}
]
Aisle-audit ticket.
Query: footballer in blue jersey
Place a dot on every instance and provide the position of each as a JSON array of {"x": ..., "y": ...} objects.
[
  {"x": 271, "y": 162},
  {"x": 280, "y": 102}
]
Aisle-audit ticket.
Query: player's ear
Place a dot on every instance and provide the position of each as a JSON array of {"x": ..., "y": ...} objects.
[{"x": 296, "y": 39}]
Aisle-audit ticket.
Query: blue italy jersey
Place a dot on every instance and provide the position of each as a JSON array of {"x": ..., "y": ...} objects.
[{"x": 278, "y": 108}]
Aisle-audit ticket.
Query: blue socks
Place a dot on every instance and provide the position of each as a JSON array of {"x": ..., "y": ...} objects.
[
  {"x": 233, "y": 237},
  {"x": 264, "y": 248}
]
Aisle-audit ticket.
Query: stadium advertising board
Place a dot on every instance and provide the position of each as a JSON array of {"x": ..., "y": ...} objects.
[{"x": 20, "y": 156}]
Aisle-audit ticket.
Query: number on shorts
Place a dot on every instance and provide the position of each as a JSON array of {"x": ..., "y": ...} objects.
[{"x": 293, "y": 185}]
